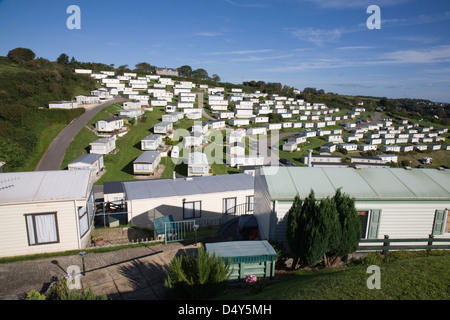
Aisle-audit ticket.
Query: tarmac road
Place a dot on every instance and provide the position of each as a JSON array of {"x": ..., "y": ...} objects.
[{"x": 54, "y": 155}]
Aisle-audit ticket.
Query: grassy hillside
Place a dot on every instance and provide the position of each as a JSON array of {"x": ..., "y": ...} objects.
[{"x": 27, "y": 126}]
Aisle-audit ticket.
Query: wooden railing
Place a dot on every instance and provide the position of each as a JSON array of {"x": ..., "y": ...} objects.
[{"x": 388, "y": 244}]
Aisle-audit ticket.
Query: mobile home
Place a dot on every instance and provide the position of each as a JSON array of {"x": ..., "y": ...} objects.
[
  {"x": 395, "y": 202},
  {"x": 45, "y": 211}
]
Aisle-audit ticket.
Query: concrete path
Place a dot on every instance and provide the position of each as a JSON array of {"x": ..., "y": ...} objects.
[
  {"x": 54, "y": 155},
  {"x": 128, "y": 274}
]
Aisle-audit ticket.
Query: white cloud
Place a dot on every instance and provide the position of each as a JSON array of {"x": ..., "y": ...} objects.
[
  {"x": 247, "y": 5},
  {"x": 240, "y": 52},
  {"x": 356, "y": 48},
  {"x": 431, "y": 55},
  {"x": 345, "y": 4},
  {"x": 317, "y": 36},
  {"x": 208, "y": 34}
]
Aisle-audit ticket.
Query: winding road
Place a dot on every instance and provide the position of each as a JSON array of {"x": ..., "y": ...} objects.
[{"x": 53, "y": 157}]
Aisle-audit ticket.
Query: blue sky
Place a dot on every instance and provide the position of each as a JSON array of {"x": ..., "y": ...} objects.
[{"x": 301, "y": 43}]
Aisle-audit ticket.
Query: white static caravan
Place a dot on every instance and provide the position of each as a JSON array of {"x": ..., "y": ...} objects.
[
  {"x": 45, "y": 211},
  {"x": 170, "y": 118},
  {"x": 83, "y": 71},
  {"x": 216, "y": 124},
  {"x": 158, "y": 103},
  {"x": 395, "y": 202},
  {"x": 186, "y": 198},
  {"x": 91, "y": 161},
  {"x": 151, "y": 142},
  {"x": 256, "y": 131},
  {"x": 245, "y": 160},
  {"x": 239, "y": 122},
  {"x": 109, "y": 125},
  {"x": 147, "y": 163},
  {"x": 63, "y": 105},
  {"x": 175, "y": 152},
  {"x": 87, "y": 99},
  {"x": 193, "y": 140},
  {"x": 273, "y": 126},
  {"x": 290, "y": 146},
  {"x": 200, "y": 127},
  {"x": 163, "y": 127},
  {"x": 198, "y": 164},
  {"x": 259, "y": 119},
  {"x": 103, "y": 145}
]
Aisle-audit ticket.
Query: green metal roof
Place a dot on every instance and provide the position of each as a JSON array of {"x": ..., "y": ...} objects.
[
  {"x": 243, "y": 251},
  {"x": 284, "y": 183}
]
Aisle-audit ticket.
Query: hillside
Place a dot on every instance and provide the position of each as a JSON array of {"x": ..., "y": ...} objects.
[
  {"x": 27, "y": 85},
  {"x": 26, "y": 88}
]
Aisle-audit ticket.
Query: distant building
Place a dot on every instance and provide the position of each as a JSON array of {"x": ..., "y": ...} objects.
[{"x": 167, "y": 72}]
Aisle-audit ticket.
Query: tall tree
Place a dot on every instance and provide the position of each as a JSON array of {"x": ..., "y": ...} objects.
[
  {"x": 293, "y": 224},
  {"x": 332, "y": 230},
  {"x": 146, "y": 67},
  {"x": 63, "y": 59},
  {"x": 24, "y": 54},
  {"x": 185, "y": 71},
  {"x": 327, "y": 229},
  {"x": 215, "y": 78},
  {"x": 349, "y": 222},
  {"x": 201, "y": 74}
]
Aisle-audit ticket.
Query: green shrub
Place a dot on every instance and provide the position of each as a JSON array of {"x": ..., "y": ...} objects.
[
  {"x": 196, "y": 277},
  {"x": 60, "y": 291},
  {"x": 34, "y": 295}
]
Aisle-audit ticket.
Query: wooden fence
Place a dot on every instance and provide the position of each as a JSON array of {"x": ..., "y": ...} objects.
[{"x": 388, "y": 244}]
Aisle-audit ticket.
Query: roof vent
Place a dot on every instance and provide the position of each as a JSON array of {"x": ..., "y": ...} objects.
[
  {"x": 188, "y": 179},
  {"x": 357, "y": 167},
  {"x": 441, "y": 168},
  {"x": 408, "y": 168}
]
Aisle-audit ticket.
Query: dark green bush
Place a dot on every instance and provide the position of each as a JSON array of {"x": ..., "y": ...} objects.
[{"x": 198, "y": 276}]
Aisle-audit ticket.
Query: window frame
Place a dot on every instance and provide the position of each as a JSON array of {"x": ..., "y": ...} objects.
[
  {"x": 249, "y": 204},
  {"x": 370, "y": 217},
  {"x": 224, "y": 205},
  {"x": 34, "y": 228},
  {"x": 194, "y": 215}
]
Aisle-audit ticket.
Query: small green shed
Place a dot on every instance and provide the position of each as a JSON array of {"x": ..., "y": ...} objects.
[{"x": 251, "y": 257}]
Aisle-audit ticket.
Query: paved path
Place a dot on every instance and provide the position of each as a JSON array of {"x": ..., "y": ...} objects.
[
  {"x": 128, "y": 274},
  {"x": 200, "y": 105},
  {"x": 54, "y": 155}
]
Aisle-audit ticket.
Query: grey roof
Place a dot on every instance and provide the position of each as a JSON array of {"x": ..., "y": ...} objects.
[
  {"x": 242, "y": 249},
  {"x": 111, "y": 119},
  {"x": 102, "y": 140},
  {"x": 147, "y": 157},
  {"x": 38, "y": 186},
  {"x": 112, "y": 187},
  {"x": 89, "y": 158},
  {"x": 152, "y": 137},
  {"x": 159, "y": 188},
  {"x": 362, "y": 184}
]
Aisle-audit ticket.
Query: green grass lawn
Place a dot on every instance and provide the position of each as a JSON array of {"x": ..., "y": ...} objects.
[
  {"x": 46, "y": 136},
  {"x": 403, "y": 276}
]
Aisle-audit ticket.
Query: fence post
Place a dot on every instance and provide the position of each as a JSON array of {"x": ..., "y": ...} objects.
[
  {"x": 430, "y": 241},
  {"x": 386, "y": 245},
  {"x": 165, "y": 233}
]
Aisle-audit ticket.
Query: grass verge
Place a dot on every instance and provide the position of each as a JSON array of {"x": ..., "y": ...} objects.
[{"x": 403, "y": 276}]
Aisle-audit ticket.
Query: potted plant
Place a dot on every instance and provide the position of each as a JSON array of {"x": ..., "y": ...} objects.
[{"x": 97, "y": 240}]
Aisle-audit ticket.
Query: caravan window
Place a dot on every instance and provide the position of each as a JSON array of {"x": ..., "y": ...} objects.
[
  {"x": 192, "y": 209},
  {"x": 42, "y": 228},
  {"x": 229, "y": 205}
]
